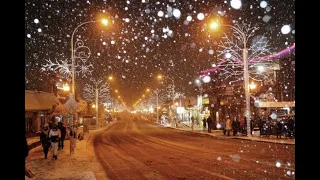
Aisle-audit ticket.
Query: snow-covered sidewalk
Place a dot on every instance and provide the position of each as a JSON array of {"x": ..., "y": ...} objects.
[{"x": 80, "y": 165}]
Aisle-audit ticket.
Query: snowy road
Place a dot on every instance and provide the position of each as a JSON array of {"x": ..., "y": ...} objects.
[{"x": 138, "y": 149}]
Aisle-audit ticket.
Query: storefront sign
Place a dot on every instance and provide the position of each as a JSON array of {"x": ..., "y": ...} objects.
[{"x": 205, "y": 100}]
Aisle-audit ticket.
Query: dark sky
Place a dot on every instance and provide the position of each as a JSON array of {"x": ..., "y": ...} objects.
[{"x": 138, "y": 44}]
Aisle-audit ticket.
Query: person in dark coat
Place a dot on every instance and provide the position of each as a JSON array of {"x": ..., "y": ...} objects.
[
  {"x": 278, "y": 129},
  {"x": 290, "y": 127},
  {"x": 63, "y": 132},
  {"x": 235, "y": 126},
  {"x": 44, "y": 139},
  {"x": 209, "y": 121},
  {"x": 204, "y": 121},
  {"x": 244, "y": 130},
  {"x": 251, "y": 126}
]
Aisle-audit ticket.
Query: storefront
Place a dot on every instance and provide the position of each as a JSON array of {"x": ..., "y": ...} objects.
[
  {"x": 280, "y": 109},
  {"x": 38, "y": 108}
]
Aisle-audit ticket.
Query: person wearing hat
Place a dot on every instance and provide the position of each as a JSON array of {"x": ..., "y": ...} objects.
[
  {"x": 44, "y": 139},
  {"x": 55, "y": 135}
]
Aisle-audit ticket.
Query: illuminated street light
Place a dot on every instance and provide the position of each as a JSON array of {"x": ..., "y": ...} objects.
[
  {"x": 261, "y": 69},
  {"x": 104, "y": 22},
  {"x": 93, "y": 106},
  {"x": 206, "y": 79},
  {"x": 214, "y": 25},
  {"x": 110, "y": 78},
  {"x": 66, "y": 87},
  {"x": 243, "y": 37},
  {"x": 252, "y": 85},
  {"x": 228, "y": 55}
]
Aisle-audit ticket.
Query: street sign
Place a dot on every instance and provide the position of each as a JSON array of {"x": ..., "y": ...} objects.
[
  {"x": 205, "y": 100},
  {"x": 71, "y": 105}
]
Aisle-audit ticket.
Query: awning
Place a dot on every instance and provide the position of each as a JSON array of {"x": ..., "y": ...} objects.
[
  {"x": 272, "y": 104},
  {"x": 40, "y": 101}
]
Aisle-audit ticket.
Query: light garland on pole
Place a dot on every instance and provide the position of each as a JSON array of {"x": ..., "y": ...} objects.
[{"x": 234, "y": 55}]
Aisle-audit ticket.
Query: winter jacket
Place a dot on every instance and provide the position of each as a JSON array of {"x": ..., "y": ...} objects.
[
  {"x": 54, "y": 135},
  {"x": 63, "y": 132},
  {"x": 44, "y": 137},
  {"x": 228, "y": 124}
]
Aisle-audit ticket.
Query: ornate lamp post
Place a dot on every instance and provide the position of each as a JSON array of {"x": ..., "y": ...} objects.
[{"x": 82, "y": 55}]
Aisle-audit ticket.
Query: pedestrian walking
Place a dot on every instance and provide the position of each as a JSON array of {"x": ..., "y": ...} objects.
[
  {"x": 251, "y": 126},
  {"x": 228, "y": 125},
  {"x": 55, "y": 135},
  {"x": 290, "y": 127},
  {"x": 204, "y": 121},
  {"x": 192, "y": 123},
  {"x": 223, "y": 127},
  {"x": 209, "y": 121},
  {"x": 235, "y": 126},
  {"x": 63, "y": 135},
  {"x": 243, "y": 125},
  {"x": 278, "y": 129},
  {"x": 44, "y": 139}
]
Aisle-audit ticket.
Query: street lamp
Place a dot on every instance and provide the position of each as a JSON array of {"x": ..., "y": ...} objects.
[
  {"x": 252, "y": 85},
  {"x": 243, "y": 37},
  {"x": 66, "y": 87},
  {"x": 110, "y": 78},
  {"x": 104, "y": 22},
  {"x": 157, "y": 94}
]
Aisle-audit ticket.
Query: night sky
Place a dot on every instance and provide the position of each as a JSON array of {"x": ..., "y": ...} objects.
[{"x": 138, "y": 43}]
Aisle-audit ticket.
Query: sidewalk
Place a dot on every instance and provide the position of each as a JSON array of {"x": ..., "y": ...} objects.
[
  {"x": 219, "y": 133},
  {"x": 80, "y": 165}
]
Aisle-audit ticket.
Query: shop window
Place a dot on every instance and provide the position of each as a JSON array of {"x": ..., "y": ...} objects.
[
  {"x": 42, "y": 120},
  {"x": 29, "y": 125}
]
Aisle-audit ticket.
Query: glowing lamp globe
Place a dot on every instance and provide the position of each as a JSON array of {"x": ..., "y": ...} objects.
[
  {"x": 228, "y": 55},
  {"x": 206, "y": 79}
]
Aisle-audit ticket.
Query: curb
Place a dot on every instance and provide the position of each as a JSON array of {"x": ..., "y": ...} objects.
[
  {"x": 222, "y": 137},
  {"x": 258, "y": 140},
  {"x": 34, "y": 145}
]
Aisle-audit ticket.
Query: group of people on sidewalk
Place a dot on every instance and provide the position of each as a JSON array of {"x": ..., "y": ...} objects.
[
  {"x": 53, "y": 138},
  {"x": 235, "y": 126},
  {"x": 208, "y": 121}
]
